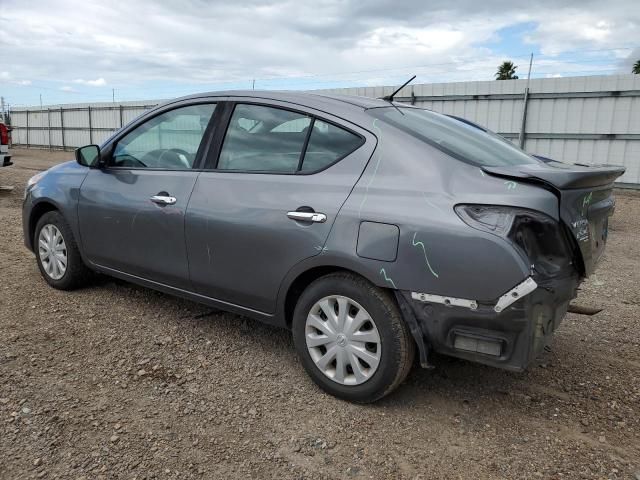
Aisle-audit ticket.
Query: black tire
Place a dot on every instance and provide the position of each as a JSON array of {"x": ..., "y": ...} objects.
[
  {"x": 76, "y": 273},
  {"x": 397, "y": 345}
]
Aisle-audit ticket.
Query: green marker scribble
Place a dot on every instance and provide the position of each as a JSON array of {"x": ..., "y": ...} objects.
[
  {"x": 387, "y": 279},
  {"x": 375, "y": 170},
  {"x": 511, "y": 185},
  {"x": 585, "y": 203},
  {"x": 424, "y": 251}
]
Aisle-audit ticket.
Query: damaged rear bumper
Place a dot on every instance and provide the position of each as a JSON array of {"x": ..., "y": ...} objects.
[{"x": 507, "y": 333}]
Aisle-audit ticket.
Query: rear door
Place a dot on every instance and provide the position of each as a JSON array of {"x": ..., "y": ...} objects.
[
  {"x": 277, "y": 181},
  {"x": 132, "y": 211}
]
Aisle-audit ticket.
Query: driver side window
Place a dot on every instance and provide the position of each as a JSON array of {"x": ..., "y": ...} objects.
[{"x": 168, "y": 141}]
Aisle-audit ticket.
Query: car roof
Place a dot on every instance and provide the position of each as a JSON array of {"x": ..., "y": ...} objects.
[{"x": 332, "y": 103}]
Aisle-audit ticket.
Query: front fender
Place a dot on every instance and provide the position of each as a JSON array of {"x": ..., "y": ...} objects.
[{"x": 59, "y": 188}]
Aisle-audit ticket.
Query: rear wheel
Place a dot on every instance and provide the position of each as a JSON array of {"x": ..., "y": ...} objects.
[
  {"x": 351, "y": 338},
  {"x": 57, "y": 253}
]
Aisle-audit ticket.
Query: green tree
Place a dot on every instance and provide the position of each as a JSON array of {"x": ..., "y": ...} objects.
[
  {"x": 636, "y": 68},
  {"x": 506, "y": 71}
]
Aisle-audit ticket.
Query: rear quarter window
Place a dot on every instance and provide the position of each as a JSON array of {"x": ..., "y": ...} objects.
[{"x": 328, "y": 144}]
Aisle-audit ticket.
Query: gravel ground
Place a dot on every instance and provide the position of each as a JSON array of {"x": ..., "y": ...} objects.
[{"x": 116, "y": 381}]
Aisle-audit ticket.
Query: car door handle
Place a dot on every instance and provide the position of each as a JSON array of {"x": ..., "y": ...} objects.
[
  {"x": 163, "y": 199},
  {"x": 307, "y": 217}
]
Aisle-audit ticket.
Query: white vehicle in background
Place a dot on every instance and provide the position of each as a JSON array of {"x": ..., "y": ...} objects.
[{"x": 5, "y": 156}]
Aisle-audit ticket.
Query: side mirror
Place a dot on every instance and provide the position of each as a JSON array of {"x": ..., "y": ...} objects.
[{"x": 88, "y": 156}]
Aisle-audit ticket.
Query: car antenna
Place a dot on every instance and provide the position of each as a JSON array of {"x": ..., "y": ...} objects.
[{"x": 389, "y": 98}]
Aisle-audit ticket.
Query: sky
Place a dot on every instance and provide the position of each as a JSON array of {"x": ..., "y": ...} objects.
[{"x": 63, "y": 51}]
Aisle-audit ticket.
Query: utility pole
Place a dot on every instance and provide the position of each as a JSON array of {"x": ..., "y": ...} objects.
[
  {"x": 521, "y": 136},
  {"x": 40, "y": 101},
  {"x": 253, "y": 84},
  {"x": 2, "y": 109}
]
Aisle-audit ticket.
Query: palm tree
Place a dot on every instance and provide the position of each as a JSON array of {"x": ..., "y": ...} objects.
[
  {"x": 636, "y": 68},
  {"x": 506, "y": 71}
]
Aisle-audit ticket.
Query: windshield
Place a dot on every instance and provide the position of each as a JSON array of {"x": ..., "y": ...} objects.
[{"x": 454, "y": 137}]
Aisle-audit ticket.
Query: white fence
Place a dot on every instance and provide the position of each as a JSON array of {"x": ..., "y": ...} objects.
[
  {"x": 74, "y": 125},
  {"x": 591, "y": 120}
]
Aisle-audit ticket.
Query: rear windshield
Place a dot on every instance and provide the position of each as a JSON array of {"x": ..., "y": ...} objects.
[{"x": 454, "y": 137}]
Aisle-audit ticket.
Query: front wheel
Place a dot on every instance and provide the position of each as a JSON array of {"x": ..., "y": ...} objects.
[
  {"x": 57, "y": 253},
  {"x": 351, "y": 338}
]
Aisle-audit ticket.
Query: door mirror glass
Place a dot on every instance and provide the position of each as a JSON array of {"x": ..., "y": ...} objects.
[{"x": 88, "y": 155}]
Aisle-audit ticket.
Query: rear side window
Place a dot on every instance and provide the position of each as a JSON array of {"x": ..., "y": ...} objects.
[
  {"x": 328, "y": 144},
  {"x": 456, "y": 138},
  {"x": 264, "y": 139},
  {"x": 275, "y": 140}
]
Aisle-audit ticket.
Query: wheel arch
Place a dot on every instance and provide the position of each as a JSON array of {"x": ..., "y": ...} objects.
[
  {"x": 302, "y": 279},
  {"x": 37, "y": 211}
]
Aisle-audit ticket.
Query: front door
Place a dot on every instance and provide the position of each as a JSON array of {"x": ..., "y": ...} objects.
[
  {"x": 132, "y": 212},
  {"x": 280, "y": 179}
]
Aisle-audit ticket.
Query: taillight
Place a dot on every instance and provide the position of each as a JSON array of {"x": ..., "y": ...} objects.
[{"x": 4, "y": 134}]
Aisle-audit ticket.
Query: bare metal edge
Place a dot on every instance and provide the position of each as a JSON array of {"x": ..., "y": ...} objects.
[
  {"x": 516, "y": 293},
  {"x": 449, "y": 301}
]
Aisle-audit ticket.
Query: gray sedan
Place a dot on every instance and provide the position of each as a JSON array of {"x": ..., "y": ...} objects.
[{"x": 373, "y": 230}]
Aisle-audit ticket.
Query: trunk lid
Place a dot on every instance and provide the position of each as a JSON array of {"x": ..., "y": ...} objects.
[{"x": 586, "y": 199}]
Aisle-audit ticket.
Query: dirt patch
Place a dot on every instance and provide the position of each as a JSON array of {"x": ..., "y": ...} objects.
[{"x": 116, "y": 381}]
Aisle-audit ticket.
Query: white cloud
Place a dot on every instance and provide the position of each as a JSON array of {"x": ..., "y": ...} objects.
[
  {"x": 98, "y": 82},
  {"x": 6, "y": 77},
  {"x": 430, "y": 39},
  {"x": 573, "y": 29},
  {"x": 208, "y": 42},
  {"x": 67, "y": 88}
]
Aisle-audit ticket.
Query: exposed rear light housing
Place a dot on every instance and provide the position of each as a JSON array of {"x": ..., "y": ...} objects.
[{"x": 539, "y": 237}]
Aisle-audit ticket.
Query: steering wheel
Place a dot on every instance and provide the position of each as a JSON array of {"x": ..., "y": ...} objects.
[{"x": 178, "y": 157}]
